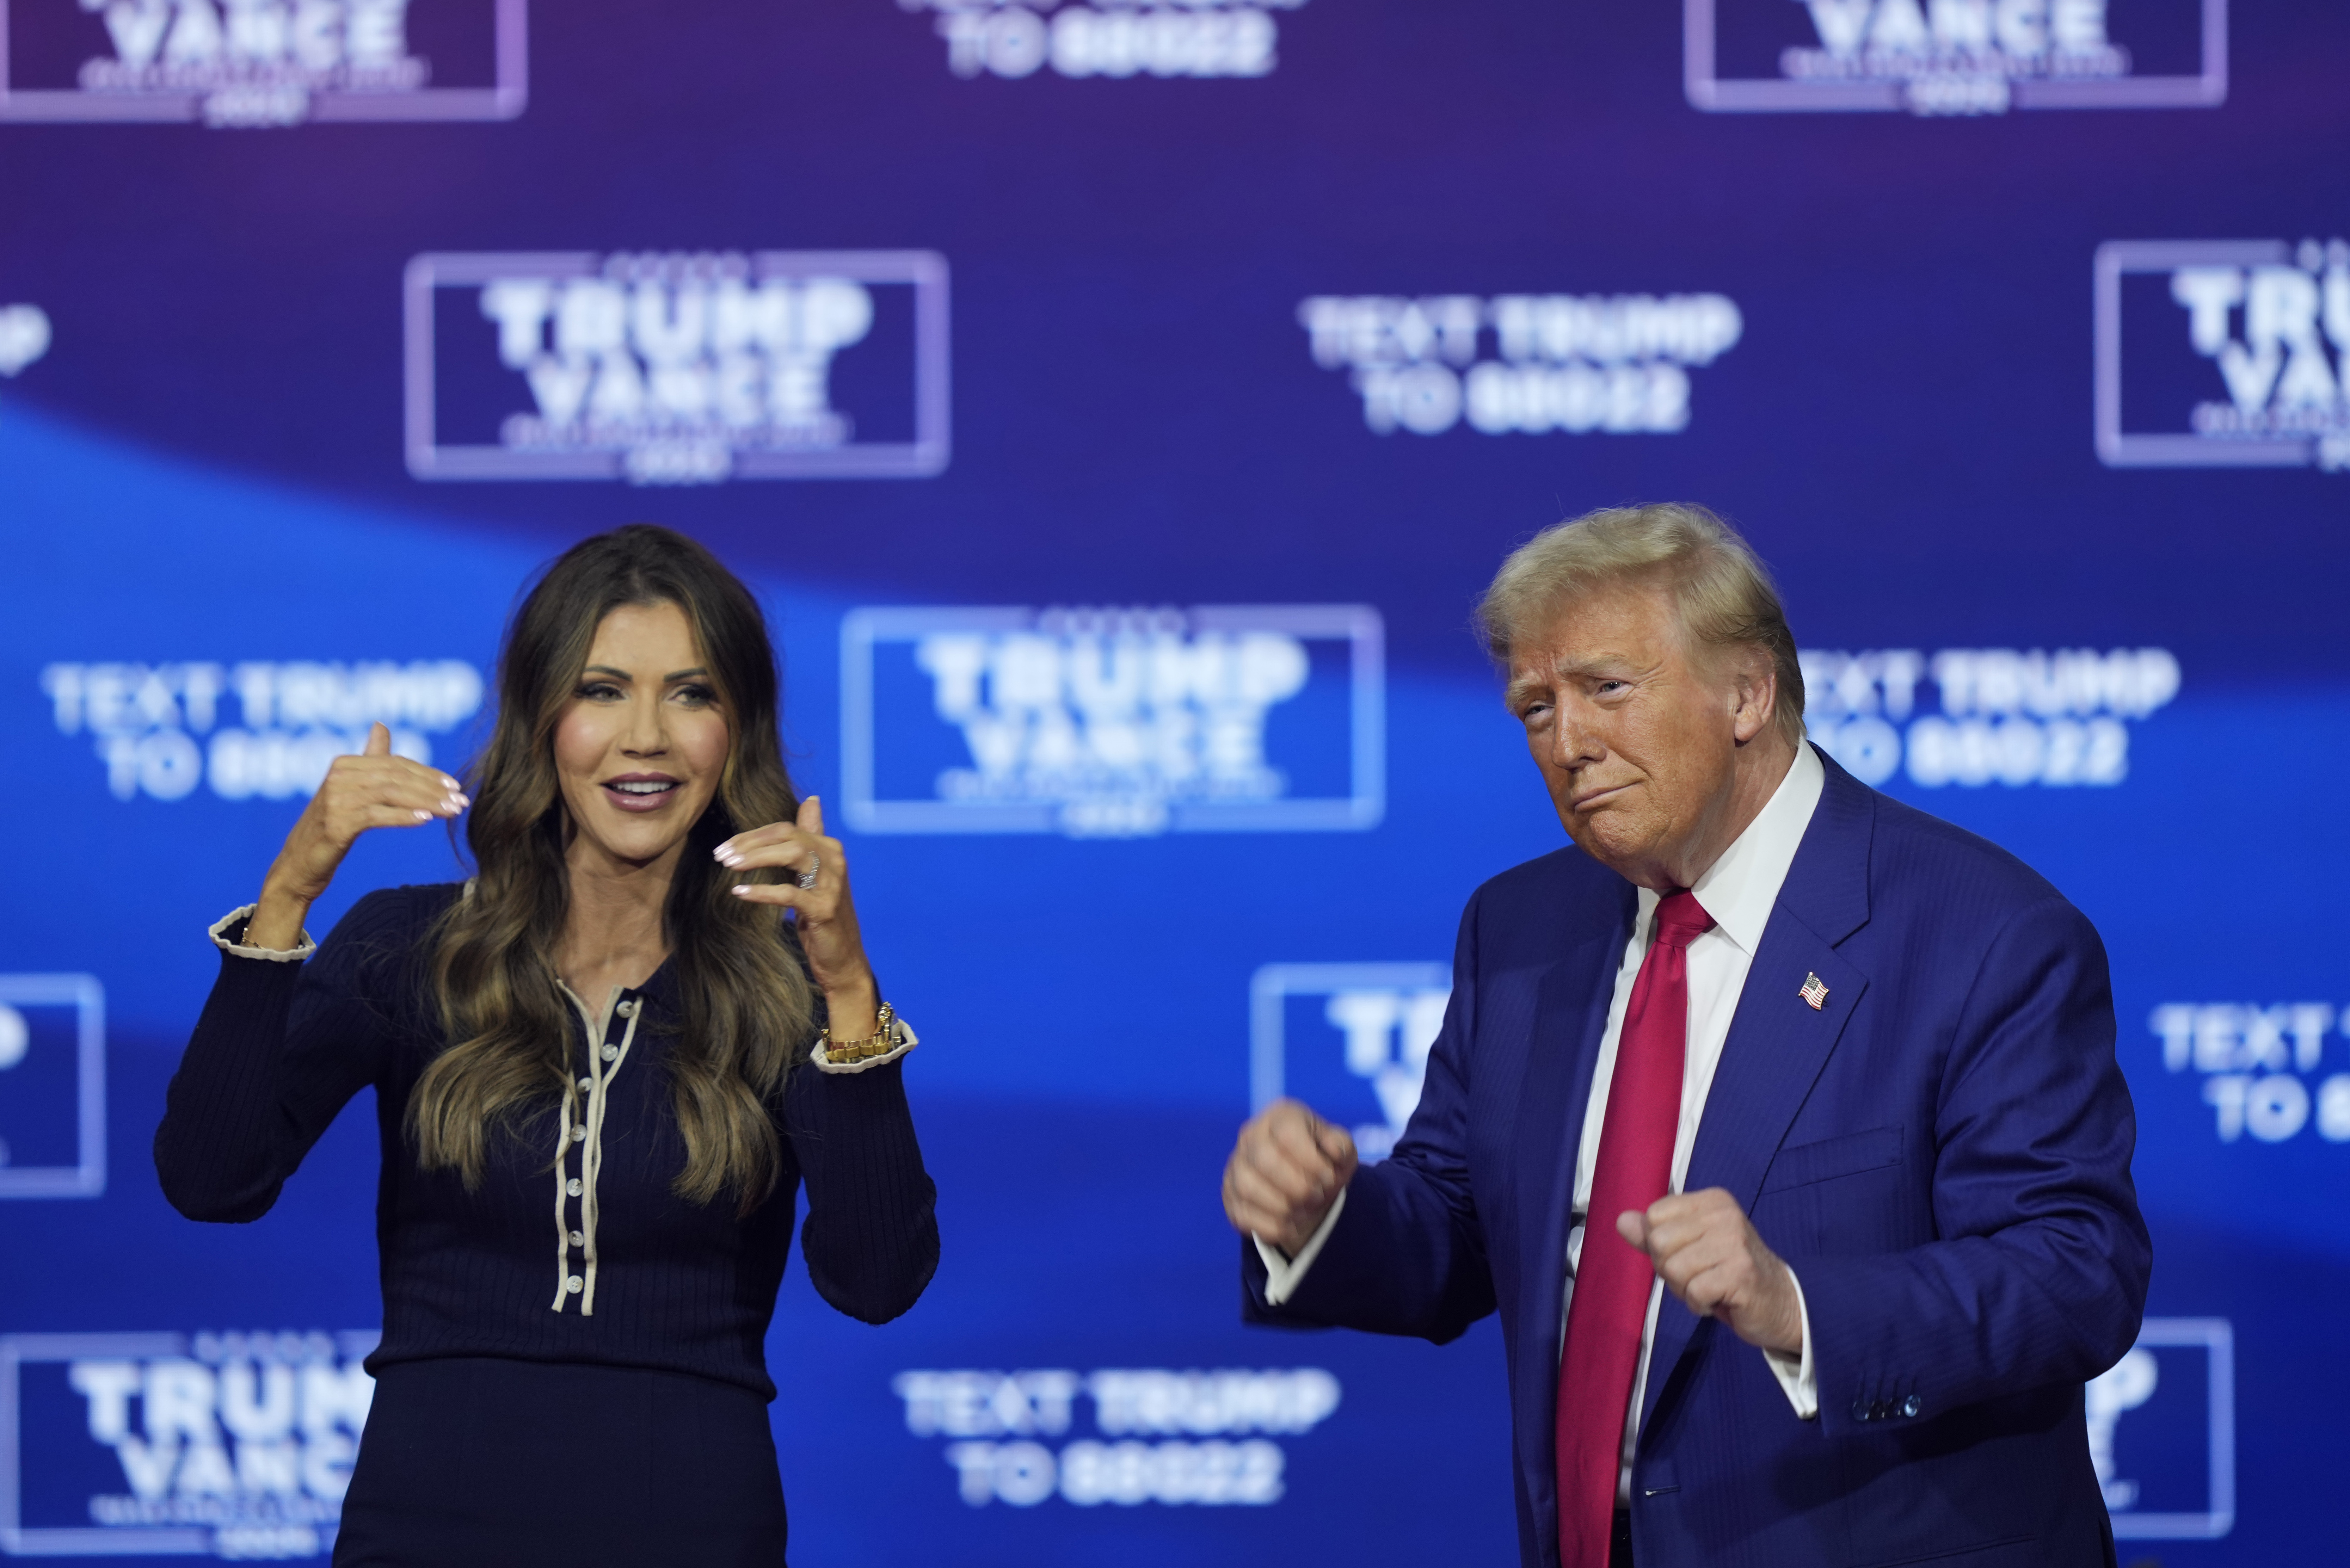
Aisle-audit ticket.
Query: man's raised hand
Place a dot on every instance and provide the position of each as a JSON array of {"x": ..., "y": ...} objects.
[
  {"x": 1711, "y": 1258},
  {"x": 1286, "y": 1171}
]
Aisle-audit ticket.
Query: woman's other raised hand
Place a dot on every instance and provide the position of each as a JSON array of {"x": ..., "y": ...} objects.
[
  {"x": 828, "y": 917},
  {"x": 374, "y": 789}
]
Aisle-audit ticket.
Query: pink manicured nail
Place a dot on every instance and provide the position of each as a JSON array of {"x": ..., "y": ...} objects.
[
  {"x": 742, "y": 888},
  {"x": 423, "y": 816}
]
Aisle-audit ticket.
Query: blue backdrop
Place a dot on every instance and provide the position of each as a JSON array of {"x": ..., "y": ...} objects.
[{"x": 1119, "y": 407}]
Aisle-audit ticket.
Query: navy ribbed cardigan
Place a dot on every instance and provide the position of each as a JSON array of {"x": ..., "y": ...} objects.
[{"x": 684, "y": 1287}]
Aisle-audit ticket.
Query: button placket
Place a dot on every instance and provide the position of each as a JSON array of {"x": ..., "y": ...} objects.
[
  {"x": 566, "y": 1189},
  {"x": 586, "y": 1136},
  {"x": 592, "y": 1160}
]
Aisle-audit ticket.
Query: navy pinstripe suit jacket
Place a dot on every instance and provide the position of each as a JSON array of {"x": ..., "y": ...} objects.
[{"x": 1941, "y": 1152}]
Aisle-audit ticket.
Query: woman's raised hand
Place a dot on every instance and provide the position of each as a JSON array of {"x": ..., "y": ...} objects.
[
  {"x": 828, "y": 917},
  {"x": 374, "y": 789}
]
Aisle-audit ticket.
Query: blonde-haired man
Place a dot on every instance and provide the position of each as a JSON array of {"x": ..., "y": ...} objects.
[{"x": 1833, "y": 1080}]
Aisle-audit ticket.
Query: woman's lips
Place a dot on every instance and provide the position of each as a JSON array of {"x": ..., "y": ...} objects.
[{"x": 648, "y": 794}]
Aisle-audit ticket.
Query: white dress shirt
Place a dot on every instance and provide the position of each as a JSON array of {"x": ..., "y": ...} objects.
[{"x": 1738, "y": 890}]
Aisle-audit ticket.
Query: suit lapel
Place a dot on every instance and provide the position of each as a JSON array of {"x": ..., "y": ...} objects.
[
  {"x": 1571, "y": 1014},
  {"x": 1778, "y": 1042}
]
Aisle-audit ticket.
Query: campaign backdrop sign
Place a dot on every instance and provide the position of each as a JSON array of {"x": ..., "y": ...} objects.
[
  {"x": 246, "y": 729},
  {"x": 1222, "y": 718},
  {"x": 2162, "y": 1432},
  {"x": 1535, "y": 364},
  {"x": 1970, "y": 717},
  {"x": 52, "y": 1086},
  {"x": 677, "y": 368},
  {"x": 224, "y": 1445},
  {"x": 1350, "y": 1039},
  {"x": 1115, "y": 40},
  {"x": 1214, "y": 355},
  {"x": 260, "y": 63},
  {"x": 1176, "y": 1438},
  {"x": 1955, "y": 57},
  {"x": 2224, "y": 353}
]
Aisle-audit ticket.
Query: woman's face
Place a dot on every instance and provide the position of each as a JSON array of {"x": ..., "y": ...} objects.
[{"x": 641, "y": 746}]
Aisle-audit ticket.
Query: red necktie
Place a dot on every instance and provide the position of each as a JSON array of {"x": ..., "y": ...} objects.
[{"x": 1611, "y": 1284}]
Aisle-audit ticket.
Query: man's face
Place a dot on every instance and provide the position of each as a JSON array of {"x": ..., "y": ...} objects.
[{"x": 1637, "y": 738}]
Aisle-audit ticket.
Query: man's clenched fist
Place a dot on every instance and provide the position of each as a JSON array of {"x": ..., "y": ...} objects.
[
  {"x": 1286, "y": 1170},
  {"x": 1711, "y": 1257}
]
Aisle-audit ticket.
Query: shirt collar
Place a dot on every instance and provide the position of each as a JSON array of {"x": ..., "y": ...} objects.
[{"x": 1740, "y": 889}]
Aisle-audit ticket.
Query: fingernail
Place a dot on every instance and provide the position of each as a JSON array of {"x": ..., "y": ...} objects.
[
  {"x": 423, "y": 816},
  {"x": 742, "y": 888},
  {"x": 723, "y": 851},
  {"x": 453, "y": 785}
]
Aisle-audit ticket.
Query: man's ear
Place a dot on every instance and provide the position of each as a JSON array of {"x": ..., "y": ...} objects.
[{"x": 1754, "y": 693}]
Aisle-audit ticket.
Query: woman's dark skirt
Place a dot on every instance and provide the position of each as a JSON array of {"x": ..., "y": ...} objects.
[{"x": 517, "y": 1463}]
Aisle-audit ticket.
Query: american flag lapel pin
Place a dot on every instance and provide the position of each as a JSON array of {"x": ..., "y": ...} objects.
[{"x": 1813, "y": 990}]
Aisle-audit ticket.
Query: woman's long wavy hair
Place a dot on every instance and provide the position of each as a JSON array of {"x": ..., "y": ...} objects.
[{"x": 747, "y": 1003}]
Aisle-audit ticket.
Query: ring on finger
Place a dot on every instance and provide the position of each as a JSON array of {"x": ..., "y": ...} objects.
[{"x": 807, "y": 877}]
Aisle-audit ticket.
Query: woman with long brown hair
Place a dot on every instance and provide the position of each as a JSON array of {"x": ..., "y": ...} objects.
[{"x": 603, "y": 1067}]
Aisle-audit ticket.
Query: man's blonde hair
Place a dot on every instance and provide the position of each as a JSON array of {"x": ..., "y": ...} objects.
[{"x": 1719, "y": 587}]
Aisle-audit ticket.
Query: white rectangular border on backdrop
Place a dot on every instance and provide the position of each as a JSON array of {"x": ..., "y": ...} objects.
[
  {"x": 1360, "y": 809},
  {"x": 1759, "y": 95},
  {"x": 924, "y": 455},
  {"x": 504, "y": 100},
  {"x": 92, "y": 1541},
  {"x": 18, "y": 1350},
  {"x": 2218, "y": 1338},
  {"x": 1270, "y": 988},
  {"x": 2117, "y": 259},
  {"x": 86, "y": 1178}
]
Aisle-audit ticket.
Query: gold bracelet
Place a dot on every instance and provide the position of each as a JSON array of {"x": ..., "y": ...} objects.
[{"x": 881, "y": 1042}]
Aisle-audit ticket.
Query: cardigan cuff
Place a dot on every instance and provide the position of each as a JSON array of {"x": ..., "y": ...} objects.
[
  {"x": 906, "y": 1041},
  {"x": 228, "y": 935}
]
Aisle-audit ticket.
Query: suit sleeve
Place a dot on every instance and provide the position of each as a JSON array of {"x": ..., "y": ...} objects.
[
  {"x": 2039, "y": 1275},
  {"x": 1406, "y": 1255}
]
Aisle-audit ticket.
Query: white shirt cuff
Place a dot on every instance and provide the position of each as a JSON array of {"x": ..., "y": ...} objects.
[
  {"x": 1795, "y": 1374},
  {"x": 906, "y": 1041},
  {"x": 1284, "y": 1275},
  {"x": 295, "y": 954}
]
